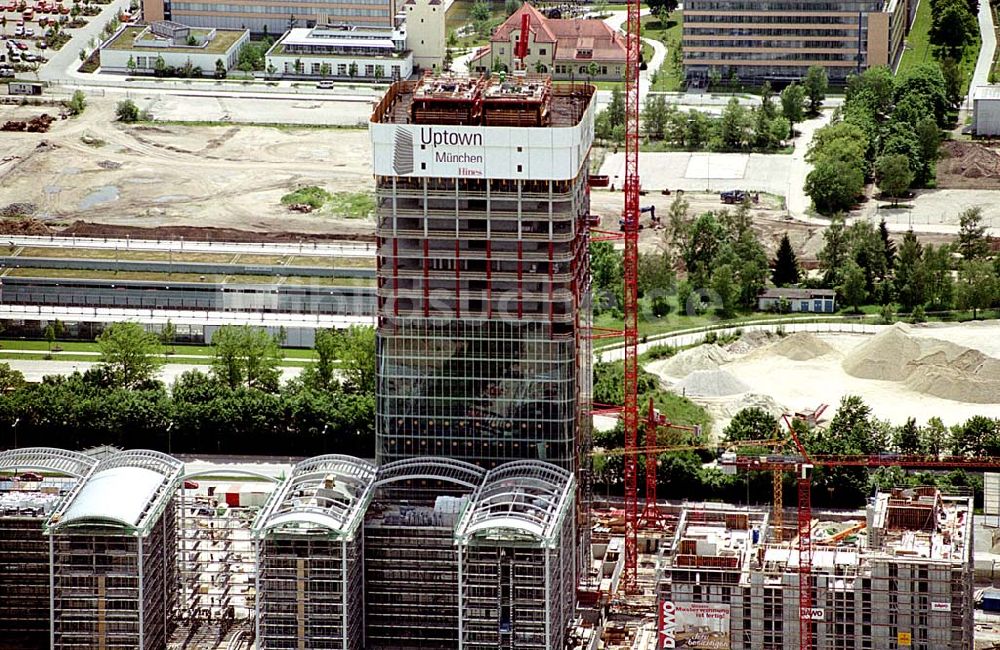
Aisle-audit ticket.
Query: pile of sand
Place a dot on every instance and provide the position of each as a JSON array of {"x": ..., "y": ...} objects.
[
  {"x": 723, "y": 411},
  {"x": 710, "y": 383},
  {"x": 927, "y": 365},
  {"x": 748, "y": 341},
  {"x": 801, "y": 346},
  {"x": 703, "y": 357}
]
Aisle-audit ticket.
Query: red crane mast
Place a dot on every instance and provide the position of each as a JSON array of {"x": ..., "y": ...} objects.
[{"x": 631, "y": 272}]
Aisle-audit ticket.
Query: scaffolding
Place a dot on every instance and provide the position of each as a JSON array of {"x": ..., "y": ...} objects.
[
  {"x": 310, "y": 569},
  {"x": 899, "y": 574},
  {"x": 411, "y": 561},
  {"x": 112, "y": 555},
  {"x": 516, "y": 569},
  {"x": 33, "y": 482}
]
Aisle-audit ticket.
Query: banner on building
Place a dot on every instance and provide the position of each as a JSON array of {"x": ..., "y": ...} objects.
[{"x": 701, "y": 626}]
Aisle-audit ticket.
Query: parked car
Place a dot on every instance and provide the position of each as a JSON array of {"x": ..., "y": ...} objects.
[
  {"x": 42, "y": 45},
  {"x": 190, "y": 485},
  {"x": 29, "y": 32},
  {"x": 19, "y": 30},
  {"x": 30, "y": 476},
  {"x": 326, "y": 83},
  {"x": 733, "y": 196},
  {"x": 21, "y": 46},
  {"x": 6, "y": 72}
]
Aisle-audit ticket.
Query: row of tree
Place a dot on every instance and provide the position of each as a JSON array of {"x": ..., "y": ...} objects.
[
  {"x": 866, "y": 266},
  {"x": 853, "y": 430},
  {"x": 762, "y": 128},
  {"x": 888, "y": 129},
  {"x": 239, "y": 407}
]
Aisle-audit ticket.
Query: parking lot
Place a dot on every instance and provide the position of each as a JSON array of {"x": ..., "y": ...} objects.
[{"x": 26, "y": 32}]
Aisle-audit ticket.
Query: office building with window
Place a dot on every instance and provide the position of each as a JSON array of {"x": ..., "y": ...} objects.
[
  {"x": 779, "y": 41},
  {"x": 273, "y": 17}
]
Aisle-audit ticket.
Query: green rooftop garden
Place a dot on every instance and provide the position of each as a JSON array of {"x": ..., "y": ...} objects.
[{"x": 224, "y": 39}]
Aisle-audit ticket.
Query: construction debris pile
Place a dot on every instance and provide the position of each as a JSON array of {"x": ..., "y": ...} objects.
[{"x": 38, "y": 124}]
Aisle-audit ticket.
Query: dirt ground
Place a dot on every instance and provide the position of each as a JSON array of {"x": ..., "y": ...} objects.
[
  {"x": 968, "y": 165},
  {"x": 807, "y": 381},
  {"x": 153, "y": 176}
]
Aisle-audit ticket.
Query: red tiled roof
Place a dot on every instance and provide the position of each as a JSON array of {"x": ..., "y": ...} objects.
[{"x": 577, "y": 39}]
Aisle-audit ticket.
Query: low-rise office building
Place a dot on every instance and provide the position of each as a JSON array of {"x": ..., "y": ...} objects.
[
  {"x": 136, "y": 49},
  {"x": 780, "y": 41},
  {"x": 344, "y": 52},
  {"x": 272, "y": 16}
]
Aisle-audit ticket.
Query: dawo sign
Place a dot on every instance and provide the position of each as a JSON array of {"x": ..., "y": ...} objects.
[{"x": 439, "y": 151}]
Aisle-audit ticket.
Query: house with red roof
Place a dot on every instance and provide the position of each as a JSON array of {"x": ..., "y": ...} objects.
[{"x": 573, "y": 48}]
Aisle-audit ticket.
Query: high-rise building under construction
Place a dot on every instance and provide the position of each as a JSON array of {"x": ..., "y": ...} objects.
[{"x": 483, "y": 277}]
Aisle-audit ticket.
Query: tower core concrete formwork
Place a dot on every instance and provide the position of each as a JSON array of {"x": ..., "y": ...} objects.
[{"x": 483, "y": 271}]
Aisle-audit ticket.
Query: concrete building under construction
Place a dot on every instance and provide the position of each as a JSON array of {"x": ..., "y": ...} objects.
[
  {"x": 899, "y": 574},
  {"x": 483, "y": 275}
]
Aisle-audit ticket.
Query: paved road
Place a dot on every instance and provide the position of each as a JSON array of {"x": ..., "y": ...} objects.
[
  {"x": 35, "y": 371},
  {"x": 981, "y": 75},
  {"x": 338, "y": 249}
]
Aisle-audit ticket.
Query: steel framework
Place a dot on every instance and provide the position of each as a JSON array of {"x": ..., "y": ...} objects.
[{"x": 630, "y": 227}]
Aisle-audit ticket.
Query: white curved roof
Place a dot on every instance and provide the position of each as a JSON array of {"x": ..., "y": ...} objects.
[
  {"x": 119, "y": 495},
  {"x": 523, "y": 497},
  {"x": 323, "y": 495},
  {"x": 128, "y": 490}
]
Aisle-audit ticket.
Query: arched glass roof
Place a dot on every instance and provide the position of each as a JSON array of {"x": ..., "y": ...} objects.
[
  {"x": 432, "y": 468},
  {"x": 47, "y": 459},
  {"x": 323, "y": 495},
  {"x": 127, "y": 490},
  {"x": 523, "y": 497}
]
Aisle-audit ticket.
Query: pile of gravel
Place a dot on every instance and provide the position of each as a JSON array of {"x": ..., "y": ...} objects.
[{"x": 710, "y": 383}]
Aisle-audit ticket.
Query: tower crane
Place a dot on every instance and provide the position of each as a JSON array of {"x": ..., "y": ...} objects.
[{"x": 630, "y": 230}]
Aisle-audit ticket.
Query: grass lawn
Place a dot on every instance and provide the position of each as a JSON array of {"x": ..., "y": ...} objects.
[
  {"x": 110, "y": 254},
  {"x": 919, "y": 49},
  {"x": 458, "y": 17},
  {"x": 670, "y": 77}
]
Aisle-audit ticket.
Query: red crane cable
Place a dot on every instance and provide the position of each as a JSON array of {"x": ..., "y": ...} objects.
[{"x": 631, "y": 230}]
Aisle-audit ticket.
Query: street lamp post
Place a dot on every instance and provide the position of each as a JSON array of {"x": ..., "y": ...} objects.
[
  {"x": 13, "y": 428},
  {"x": 170, "y": 445}
]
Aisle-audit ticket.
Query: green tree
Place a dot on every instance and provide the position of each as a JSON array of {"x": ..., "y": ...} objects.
[
  {"x": 352, "y": 70},
  {"x": 853, "y": 289},
  {"x": 510, "y": 6},
  {"x": 734, "y": 125},
  {"x": 127, "y": 111},
  {"x": 661, "y": 8},
  {"x": 952, "y": 26},
  {"x": 616, "y": 108},
  {"x": 220, "y": 69},
  {"x": 159, "y": 66},
  {"x": 77, "y": 103},
  {"x": 939, "y": 283},
  {"x": 834, "y": 185},
  {"x": 480, "y": 11},
  {"x": 927, "y": 82},
  {"x": 321, "y": 374},
  {"x": 654, "y": 116},
  {"x": 786, "y": 265},
  {"x": 792, "y": 103},
  {"x": 977, "y": 285},
  {"x": 833, "y": 255},
  {"x": 246, "y": 356},
  {"x": 816, "y": 84},
  {"x": 894, "y": 175},
  {"x": 10, "y": 379},
  {"x": 698, "y": 129},
  {"x": 130, "y": 64},
  {"x": 928, "y": 141},
  {"x": 130, "y": 356},
  {"x": 606, "y": 275},
  {"x": 701, "y": 247},
  {"x": 908, "y": 439},
  {"x": 656, "y": 273},
  {"x": 168, "y": 335},
  {"x": 752, "y": 423},
  {"x": 725, "y": 287},
  {"x": 972, "y": 242},
  {"x": 356, "y": 351},
  {"x": 954, "y": 81},
  {"x": 909, "y": 276}
]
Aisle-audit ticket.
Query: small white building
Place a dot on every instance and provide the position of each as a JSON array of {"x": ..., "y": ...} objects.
[
  {"x": 343, "y": 51},
  {"x": 426, "y": 35},
  {"x": 820, "y": 301},
  {"x": 986, "y": 110},
  {"x": 134, "y": 49}
]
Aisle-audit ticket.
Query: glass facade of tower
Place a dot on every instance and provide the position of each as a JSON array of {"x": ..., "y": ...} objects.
[{"x": 482, "y": 347}]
